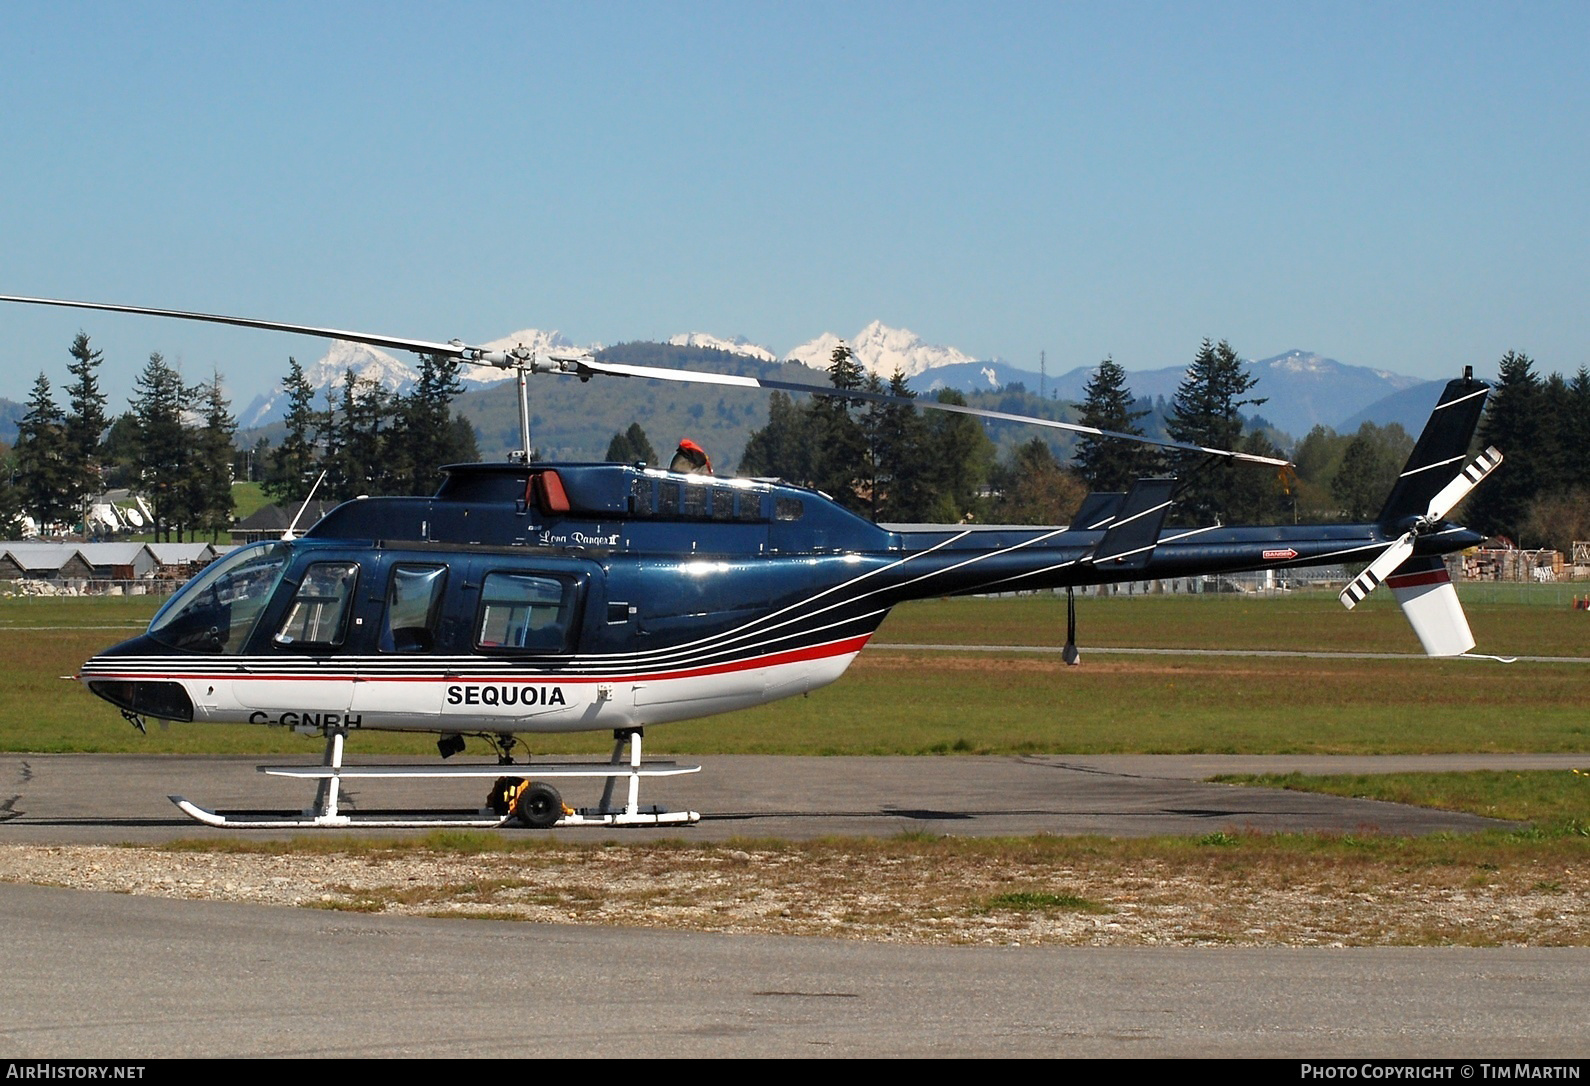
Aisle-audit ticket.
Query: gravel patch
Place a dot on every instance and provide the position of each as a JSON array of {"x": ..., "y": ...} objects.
[{"x": 882, "y": 894}]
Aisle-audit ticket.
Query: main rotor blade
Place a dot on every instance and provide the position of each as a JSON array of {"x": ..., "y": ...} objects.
[
  {"x": 658, "y": 373},
  {"x": 1377, "y": 571},
  {"x": 423, "y": 346},
  {"x": 687, "y": 376},
  {"x": 586, "y": 366}
]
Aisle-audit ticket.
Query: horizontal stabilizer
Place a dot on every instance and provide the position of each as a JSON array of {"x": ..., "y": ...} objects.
[
  {"x": 1130, "y": 541},
  {"x": 1429, "y": 599}
]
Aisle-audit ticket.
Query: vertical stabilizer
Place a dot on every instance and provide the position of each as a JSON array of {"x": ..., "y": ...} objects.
[
  {"x": 1430, "y": 602},
  {"x": 1440, "y": 451}
]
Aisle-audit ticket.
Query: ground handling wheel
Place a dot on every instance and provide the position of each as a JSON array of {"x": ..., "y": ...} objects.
[
  {"x": 539, "y": 806},
  {"x": 500, "y": 801}
]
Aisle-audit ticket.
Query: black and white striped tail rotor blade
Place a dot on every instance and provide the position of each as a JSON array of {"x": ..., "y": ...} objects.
[
  {"x": 1447, "y": 498},
  {"x": 1377, "y": 571}
]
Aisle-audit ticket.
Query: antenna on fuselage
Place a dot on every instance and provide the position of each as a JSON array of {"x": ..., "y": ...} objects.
[{"x": 289, "y": 535}]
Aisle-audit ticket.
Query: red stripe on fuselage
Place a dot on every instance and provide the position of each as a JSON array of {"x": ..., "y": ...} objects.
[{"x": 794, "y": 656}]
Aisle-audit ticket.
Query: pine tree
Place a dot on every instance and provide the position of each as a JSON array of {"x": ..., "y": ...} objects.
[
  {"x": 162, "y": 459},
  {"x": 43, "y": 466},
  {"x": 1110, "y": 464},
  {"x": 1578, "y": 428},
  {"x": 423, "y": 438},
  {"x": 843, "y": 370},
  {"x": 1512, "y": 424},
  {"x": 631, "y": 446},
  {"x": 357, "y": 457},
  {"x": 782, "y": 448},
  {"x": 962, "y": 455},
  {"x": 839, "y": 447},
  {"x": 210, "y": 496},
  {"x": 11, "y": 525},
  {"x": 295, "y": 460},
  {"x": 1207, "y": 411},
  {"x": 905, "y": 468},
  {"x": 85, "y": 421}
]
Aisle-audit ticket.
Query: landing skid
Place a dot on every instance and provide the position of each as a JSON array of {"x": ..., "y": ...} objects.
[{"x": 548, "y": 811}]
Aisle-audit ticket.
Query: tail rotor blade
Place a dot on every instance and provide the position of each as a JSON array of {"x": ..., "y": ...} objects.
[
  {"x": 1377, "y": 571},
  {"x": 1447, "y": 498}
]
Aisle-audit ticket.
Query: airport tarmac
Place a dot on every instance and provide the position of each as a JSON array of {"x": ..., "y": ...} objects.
[
  {"x": 101, "y": 798},
  {"x": 93, "y": 975}
]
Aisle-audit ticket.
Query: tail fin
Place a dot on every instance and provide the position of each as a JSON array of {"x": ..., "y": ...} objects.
[
  {"x": 1421, "y": 584},
  {"x": 1440, "y": 451}
]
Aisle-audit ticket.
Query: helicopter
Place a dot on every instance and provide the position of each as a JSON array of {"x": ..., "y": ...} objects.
[{"x": 537, "y": 597}]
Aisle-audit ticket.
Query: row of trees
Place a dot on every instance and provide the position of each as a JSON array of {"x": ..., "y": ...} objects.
[
  {"x": 892, "y": 463},
  {"x": 883, "y": 460},
  {"x": 367, "y": 440},
  {"x": 174, "y": 444},
  {"x": 886, "y": 461},
  {"x": 1540, "y": 496}
]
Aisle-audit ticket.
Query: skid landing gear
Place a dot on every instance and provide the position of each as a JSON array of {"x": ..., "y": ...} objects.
[{"x": 533, "y": 803}]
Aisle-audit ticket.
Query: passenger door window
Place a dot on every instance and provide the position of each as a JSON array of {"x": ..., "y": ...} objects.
[
  {"x": 525, "y": 612},
  {"x": 413, "y": 607}
]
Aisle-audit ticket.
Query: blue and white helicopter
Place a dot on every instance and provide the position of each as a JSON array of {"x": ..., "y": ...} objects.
[{"x": 531, "y": 597}]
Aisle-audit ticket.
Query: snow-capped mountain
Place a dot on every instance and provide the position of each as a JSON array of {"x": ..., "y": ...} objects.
[
  {"x": 1301, "y": 388},
  {"x": 392, "y": 373},
  {"x": 735, "y": 345},
  {"x": 368, "y": 363},
  {"x": 882, "y": 350}
]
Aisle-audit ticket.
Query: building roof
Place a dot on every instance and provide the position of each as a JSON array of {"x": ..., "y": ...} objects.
[
  {"x": 277, "y": 518},
  {"x": 44, "y": 557},
  {"x": 181, "y": 554},
  {"x": 113, "y": 554}
]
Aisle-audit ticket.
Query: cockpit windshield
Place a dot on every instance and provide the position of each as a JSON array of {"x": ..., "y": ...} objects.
[{"x": 217, "y": 610}]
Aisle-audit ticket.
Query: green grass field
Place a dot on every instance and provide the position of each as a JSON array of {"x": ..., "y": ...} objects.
[
  {"x": 1553, "y": 803},
  {"x": 916, "y": 702}
]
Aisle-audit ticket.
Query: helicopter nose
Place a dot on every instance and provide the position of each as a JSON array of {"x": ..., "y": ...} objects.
[
  {"x": 113, "y": 675},
  {"x": 145, "y": 697}
]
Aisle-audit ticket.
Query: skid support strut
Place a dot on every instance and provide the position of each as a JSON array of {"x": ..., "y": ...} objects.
[
  {"x": 632, "y": 736},
  {"x": 324, "y": 812}
]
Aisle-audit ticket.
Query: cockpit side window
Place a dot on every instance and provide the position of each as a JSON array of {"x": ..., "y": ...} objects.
[
  {"x": 216, "y": 611},
  {"x": 413, "y": 605},
  {"x": 525, "y": 612},
  {"x": 318, "y": 616}
]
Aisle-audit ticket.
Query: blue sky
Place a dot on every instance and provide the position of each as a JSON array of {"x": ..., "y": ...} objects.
[{"x": 1401, "y": 186}]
